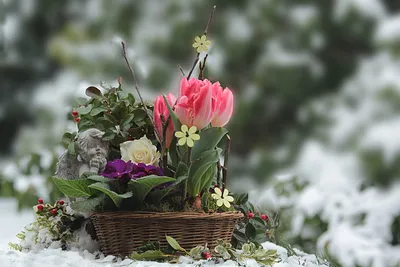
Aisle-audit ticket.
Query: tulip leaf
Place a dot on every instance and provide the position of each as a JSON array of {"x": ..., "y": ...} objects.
[
  {"x": 105, "y": 188},
  {"x": 175, "y": 120},
  {"x": 209, "y": 139},
  {"x": 142, "y": 186},
  {"x": 200, "y": 172},
  {"x": 74, "y": 188}
]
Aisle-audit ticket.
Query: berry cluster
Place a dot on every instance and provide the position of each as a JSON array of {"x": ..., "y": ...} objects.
[
  {"x": 47, "y": 209},
  {"x": 75, "y": 114},
  {"x": 263, "y": 216}
]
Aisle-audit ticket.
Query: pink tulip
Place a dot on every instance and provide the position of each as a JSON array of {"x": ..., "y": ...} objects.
[
  {"x": 194, "y": 106},
  {"x": 160, "y": 108},
  {"x": 222, "y": 105}
]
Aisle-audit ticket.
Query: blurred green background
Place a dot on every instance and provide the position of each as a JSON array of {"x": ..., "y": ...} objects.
[{"x": 299, "y": 69}]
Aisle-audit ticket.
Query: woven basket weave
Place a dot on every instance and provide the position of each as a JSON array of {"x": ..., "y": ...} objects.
[{"x": 120, "y": 233}]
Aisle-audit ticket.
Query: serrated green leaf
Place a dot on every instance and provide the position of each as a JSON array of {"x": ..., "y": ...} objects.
[
  {"x": 74, "y": 188},
  {"x": 209, "y": 139},
  {"x": 250, "y": 231},
  {"x": 150, "y": 255},
  {"x": 105, "y": 188},
  {"x": 141, "y": 187},
  {"x": 139, "y": 115},
  {"x": 174, "y": 244},
  {"x": 88, "y": 205}
]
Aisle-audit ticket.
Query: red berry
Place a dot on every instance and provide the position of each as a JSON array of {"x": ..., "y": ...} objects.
[
  {"x": 250, "y": 214},
  {"x": 61, "y": 202},
  {"x": 40, "y": 207},
  {"x": 40, "y": 201},
  {"x": 77, "y": 120},
  {"x": 264, "y": 217},
  {"x": 75, "y": 113},
  {"x": 54, "y": 212},
  {"x": 206, "y": 255}
]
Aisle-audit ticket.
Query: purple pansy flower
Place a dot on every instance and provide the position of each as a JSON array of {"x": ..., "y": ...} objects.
[
  {"x": 118, "y": 169},
  {"x": 141, "y": 170},
  {"x": 127, "y": 170}
]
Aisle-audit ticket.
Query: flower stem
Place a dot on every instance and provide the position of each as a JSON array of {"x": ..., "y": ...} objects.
[
  {"x": 184, "y": 191},
  {"x": 164, "y": 143}
]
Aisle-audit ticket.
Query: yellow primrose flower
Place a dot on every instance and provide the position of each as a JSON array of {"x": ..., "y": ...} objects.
[
  {"x": 187, "y": 136},
  {"x": 222, "y": 199},
  {"x": 201, "y": 43}
]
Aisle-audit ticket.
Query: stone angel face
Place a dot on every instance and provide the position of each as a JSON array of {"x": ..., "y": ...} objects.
[{"x": 92, "y": 156}]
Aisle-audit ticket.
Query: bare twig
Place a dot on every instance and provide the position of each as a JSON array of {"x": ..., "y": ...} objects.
[
  {"x": 180, "y": 68},
  {"x": 205, "y": 33},
  {"x": 202, "y": 67},
  {"x": 226, "y": 157},
  {"x": 134, "y": 78}
]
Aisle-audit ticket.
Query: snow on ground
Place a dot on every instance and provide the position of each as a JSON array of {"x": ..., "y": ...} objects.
[{"x": 12, "y": 222}]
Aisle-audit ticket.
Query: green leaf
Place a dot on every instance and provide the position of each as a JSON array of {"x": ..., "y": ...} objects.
[
  {"x": 199, "y": 173},
  {"x": 250, "y": 231},
  {"x": 80, "y": 101},
  {"x": 181, "y": 170},
  {"x": 108, "y": 136},
  {"x": 127, "y": 119},
  {"x": 208, "y": 177},
  {"x": 73, "y": 148},
  {"x": 222, "y": 252},
  {"x": 175, "y": 120},
  {"x": 84, "y": 110},
  {"x": 98, "y": 178},
  {"x": 74, "y": 188},
  {"x": 209, "y": 139},
  {"x": 93, "y": 92},
  {"x": 105, "y": 188},
  {"x": 89, "y": 204},
  {"x": 139, "y": 115},
  {"x": 131, "y": 99},
  {"x": 97, "y": 111},
  {"x": 258, "y": 223},
  {"x": 149, "y": 255},
  {"x": 173, "y": 153},
  {"x": 67, "y": 138},
  {"x": 111, "y": 118},
  {"x": 141, "y": 187},
  {"x": 195, "y": 253},
  {"x": 174, "y": 244}
]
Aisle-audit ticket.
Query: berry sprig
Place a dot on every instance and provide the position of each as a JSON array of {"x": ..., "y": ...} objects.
[
  {"x": 48, "y": 210},
  {"x": 75, "y": 114}
]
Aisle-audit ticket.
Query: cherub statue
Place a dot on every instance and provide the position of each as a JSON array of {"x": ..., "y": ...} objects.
[{"x": 92, "y": 156}]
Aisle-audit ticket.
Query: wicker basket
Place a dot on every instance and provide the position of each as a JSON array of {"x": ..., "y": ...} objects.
[{"x": 120, "y": 233}]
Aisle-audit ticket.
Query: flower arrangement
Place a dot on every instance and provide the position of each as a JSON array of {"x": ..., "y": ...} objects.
[{"x": 135, "y": 158}]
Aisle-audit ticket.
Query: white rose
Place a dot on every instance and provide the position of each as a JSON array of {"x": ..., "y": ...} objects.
[{"x": 140, "y": 151}]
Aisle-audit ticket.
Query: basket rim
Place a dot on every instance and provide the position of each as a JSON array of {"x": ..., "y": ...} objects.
[{"x": 165, "y": 215}]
